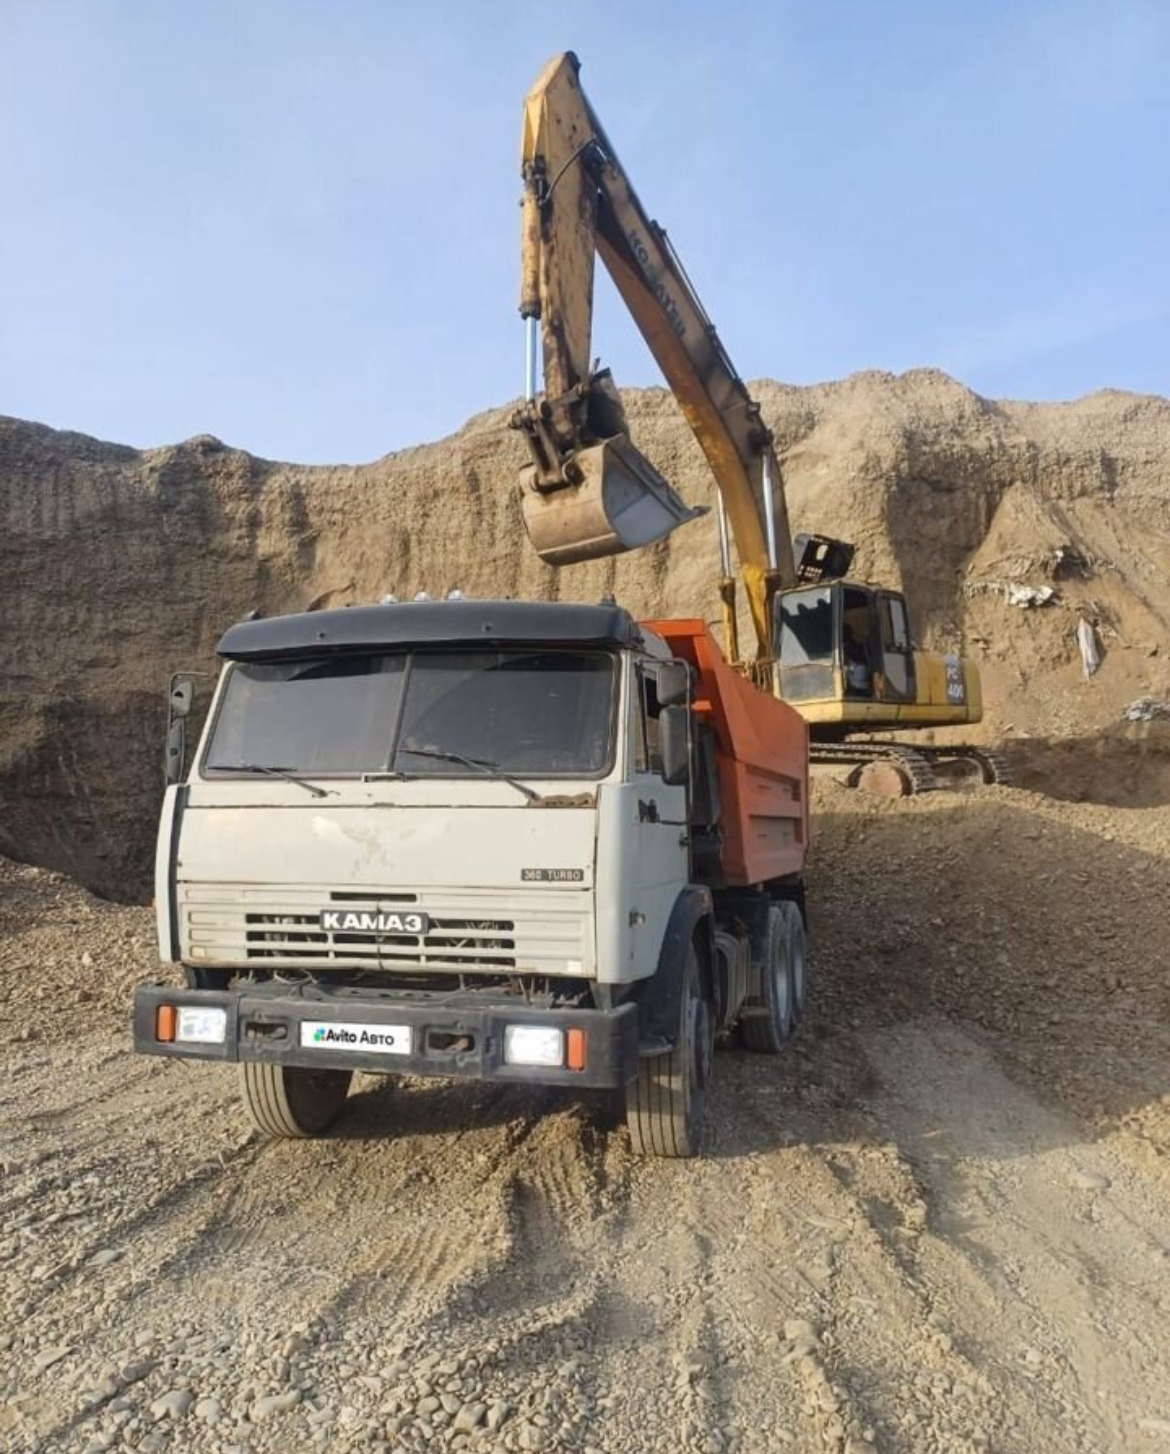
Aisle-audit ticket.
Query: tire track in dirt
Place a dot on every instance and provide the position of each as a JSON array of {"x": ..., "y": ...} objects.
[
  {"x": 843, "y": 1215},
  {"x": 1067, "y": 1306}
]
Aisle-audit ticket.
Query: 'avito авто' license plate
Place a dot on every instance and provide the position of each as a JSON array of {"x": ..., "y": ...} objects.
[{"x": 354, "y": 1035}]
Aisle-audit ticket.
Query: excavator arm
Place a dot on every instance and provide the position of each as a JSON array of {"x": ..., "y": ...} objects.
[{"x": 588, "y": 491}]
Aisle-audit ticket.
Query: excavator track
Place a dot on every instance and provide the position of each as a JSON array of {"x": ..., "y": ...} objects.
[
  {"x": 911, "y": 770},
  {"x": 994, "y": 766}
]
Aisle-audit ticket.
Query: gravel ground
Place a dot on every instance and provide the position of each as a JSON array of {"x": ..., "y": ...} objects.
[{"x": 939, "y": 1223}]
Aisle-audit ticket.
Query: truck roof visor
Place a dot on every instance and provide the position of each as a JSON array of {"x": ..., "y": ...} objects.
[{"x": 618, "y": 502}]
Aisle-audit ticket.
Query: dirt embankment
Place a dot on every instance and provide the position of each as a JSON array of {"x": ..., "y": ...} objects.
[
  {"x": 118, "y": 566},
  {"x": 939, "y": 1223}
]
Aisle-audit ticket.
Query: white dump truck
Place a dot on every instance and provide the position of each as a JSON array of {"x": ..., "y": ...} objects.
[{"x": 506, "y": 840}]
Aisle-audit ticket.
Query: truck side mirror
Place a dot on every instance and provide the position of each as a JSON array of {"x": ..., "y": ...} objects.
[
  {"x": 181, "y": 693},
  {"x": 674, "y": 738},
  {"x": 673, "y": 683},
  {"x": 176, "y": 751}
]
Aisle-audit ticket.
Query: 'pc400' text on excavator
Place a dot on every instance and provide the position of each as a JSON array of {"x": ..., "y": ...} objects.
[{"x": 838, "y": 649}]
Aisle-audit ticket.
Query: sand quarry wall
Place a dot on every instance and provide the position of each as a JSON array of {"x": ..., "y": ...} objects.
[{"x": 119, "y": 565}]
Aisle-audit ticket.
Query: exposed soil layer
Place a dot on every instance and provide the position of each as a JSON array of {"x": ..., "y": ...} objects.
[
  {"x": 119, "y": 565},
  {"x": 940, "y": 1222}
]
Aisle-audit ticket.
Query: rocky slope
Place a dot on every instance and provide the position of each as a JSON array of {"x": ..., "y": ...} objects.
[{"x": 118, "y": 565}]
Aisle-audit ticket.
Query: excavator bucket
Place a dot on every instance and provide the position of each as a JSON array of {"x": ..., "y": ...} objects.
[{"x": 619, "y": 503}]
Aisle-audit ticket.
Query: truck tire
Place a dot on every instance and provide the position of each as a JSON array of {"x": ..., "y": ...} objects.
[
  {"x": 767, "y": 1025},
  {"x": 290, "y": 1100},
  {"x": 664, "y": 1105},
  {"x": 798, "y": 957}
]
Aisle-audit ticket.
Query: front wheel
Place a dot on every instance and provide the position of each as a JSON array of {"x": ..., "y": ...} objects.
[
  {"x": 290, "y": 1100},
  {"x": 664, "y": 1105}
]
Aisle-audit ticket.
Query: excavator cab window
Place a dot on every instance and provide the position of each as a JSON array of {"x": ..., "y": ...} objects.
[
  {"x": 804, "y": 643},
  {"x": 860, "y": 646},
  {"x": 897, "y": 653}
]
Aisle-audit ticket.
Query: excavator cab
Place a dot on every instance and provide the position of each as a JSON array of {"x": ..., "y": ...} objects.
[{"x": 840, "y": 641}]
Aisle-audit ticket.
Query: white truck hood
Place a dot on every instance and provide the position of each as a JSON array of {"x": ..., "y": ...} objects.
[
  {"x": 387, "y": 845},
  {"x": 504, "y": 887}
]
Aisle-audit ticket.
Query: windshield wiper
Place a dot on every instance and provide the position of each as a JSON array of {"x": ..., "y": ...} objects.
[
  {"x": 482, "y": 763},
  {"x": 272, "y": 771}
]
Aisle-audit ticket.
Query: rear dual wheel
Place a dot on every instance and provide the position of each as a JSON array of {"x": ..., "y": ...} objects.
[
  {"x": 294, "y": 1101},
  {"x": 772, "y": 1016}
]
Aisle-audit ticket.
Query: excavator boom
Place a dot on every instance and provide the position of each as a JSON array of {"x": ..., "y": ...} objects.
[{"x": 588, "y": 491}]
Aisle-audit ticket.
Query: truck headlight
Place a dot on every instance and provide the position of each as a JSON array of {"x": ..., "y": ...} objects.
[
  {"x": 533, "y": 1045},
  {"x": 202, "y": 1024}
]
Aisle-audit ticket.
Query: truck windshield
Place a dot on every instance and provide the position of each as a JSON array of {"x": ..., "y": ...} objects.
[{"x": 440, "y": 713}]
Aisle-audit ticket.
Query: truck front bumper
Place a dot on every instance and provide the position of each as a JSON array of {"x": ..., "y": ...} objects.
[{"x": 393, "y": 1032}]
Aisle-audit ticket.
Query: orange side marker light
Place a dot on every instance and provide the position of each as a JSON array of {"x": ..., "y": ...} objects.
[
  {"x": 164, "y": 1023},
  {"x": 575, "y": 1049}
]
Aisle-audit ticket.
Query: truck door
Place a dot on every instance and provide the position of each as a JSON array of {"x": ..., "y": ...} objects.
[{"x": 660, "y": 860}]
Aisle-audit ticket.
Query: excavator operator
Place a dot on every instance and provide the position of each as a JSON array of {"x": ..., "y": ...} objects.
[{"x": 858, "y": 674}]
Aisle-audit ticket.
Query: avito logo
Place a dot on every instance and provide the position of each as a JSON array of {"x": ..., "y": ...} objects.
[{"x": 338, "y": 1035}]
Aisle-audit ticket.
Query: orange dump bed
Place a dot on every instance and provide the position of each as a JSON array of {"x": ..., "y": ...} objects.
[{"x": 762, "y": 754}]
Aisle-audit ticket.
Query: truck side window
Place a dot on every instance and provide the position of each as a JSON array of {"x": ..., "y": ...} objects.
[{"x": 649, "y": 756}]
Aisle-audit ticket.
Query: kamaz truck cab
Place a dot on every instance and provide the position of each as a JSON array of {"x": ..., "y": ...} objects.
[{"x": 456, "y": 838}]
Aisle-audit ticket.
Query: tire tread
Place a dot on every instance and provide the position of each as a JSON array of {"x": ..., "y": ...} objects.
[
  {"x": 265, "y": 1092},
  {"x": 761, "y": 1034},
  {"x": 655, "y": 1101}
]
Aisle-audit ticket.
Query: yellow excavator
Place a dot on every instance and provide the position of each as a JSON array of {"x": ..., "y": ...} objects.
[{"x": 838, "y": 650}]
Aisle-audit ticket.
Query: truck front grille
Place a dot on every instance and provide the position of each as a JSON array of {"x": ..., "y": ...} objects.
[
  {"x": 280, "y": 936},
  {"x": 485, "y": 931}
]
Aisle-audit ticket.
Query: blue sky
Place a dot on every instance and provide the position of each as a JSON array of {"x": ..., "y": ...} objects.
[{"x": 294, "y": 224}]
